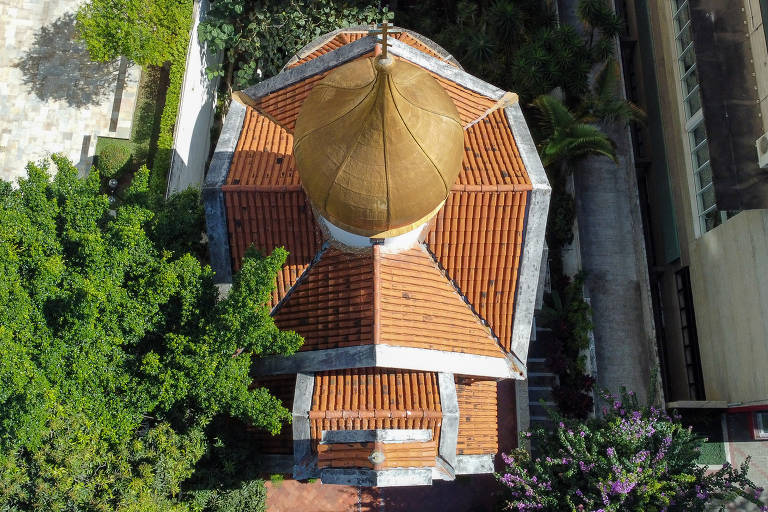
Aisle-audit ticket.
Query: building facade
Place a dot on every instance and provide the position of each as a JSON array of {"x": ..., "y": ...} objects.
[
  {"x": 412, "y": 202},
  {"x": 700, "y": 70}
]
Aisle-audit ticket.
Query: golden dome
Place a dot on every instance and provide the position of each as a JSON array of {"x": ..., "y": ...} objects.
[{"x": 378, "y": 145}]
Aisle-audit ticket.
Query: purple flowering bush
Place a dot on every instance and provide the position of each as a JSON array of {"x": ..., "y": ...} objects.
[{"x": 631, "y": 459}]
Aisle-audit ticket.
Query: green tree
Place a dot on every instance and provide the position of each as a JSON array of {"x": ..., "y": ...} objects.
[
  {"x": 116, "y": 352},
  {"x": 602, "y": 101},
  {"x": 144, "y": 31},
  {"x": 564, "y": 138},
  {"x": 631, "y": 458},
  {"x": 259, "y": 36}
]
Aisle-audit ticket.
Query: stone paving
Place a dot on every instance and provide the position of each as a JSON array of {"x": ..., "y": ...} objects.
[{"x": 53, "y": 99}]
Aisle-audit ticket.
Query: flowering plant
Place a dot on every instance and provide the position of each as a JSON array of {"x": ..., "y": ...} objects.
[{"x": 632, "y": 458}]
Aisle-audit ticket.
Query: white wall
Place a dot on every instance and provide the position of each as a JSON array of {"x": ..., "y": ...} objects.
[
  {"x": 192, "y": 134},
  {"x": 729, "y": 281}
]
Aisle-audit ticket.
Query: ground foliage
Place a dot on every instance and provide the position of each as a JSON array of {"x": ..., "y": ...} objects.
[
  {"x": 518, "y": 44},
  {"x": 260, "y": 36},
  {"x": 145, "y": 31},
  {"x": 116, "y": 353},
  {"x": 632, "y": 458}
]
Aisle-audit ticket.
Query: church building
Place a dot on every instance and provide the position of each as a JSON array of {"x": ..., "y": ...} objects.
[{"x": 412, "y": 202}]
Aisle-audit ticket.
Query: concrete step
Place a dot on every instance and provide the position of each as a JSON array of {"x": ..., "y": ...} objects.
[
  {"x": 541, "y": 379},
  {"x": 535, "y": 394},
  {"x": 538, "y": 410},
  {"x": 537, "y": 365}
]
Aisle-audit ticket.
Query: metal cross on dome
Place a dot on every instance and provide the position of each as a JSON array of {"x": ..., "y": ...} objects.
[{"x": 383, "y": 29}]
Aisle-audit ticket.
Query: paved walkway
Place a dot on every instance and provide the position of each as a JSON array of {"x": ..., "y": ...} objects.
[
  {"x": 613, "y": 257},
  {"x": 53, "y": 98}
]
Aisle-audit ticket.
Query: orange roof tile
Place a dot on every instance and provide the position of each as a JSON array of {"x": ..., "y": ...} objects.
[
  {"x": 491, "y": 157},
  {"x": 347, "y": 37},
  {"x": 478, "y": 426},
  {"x": 331, "y": 306},
  {"x": 333, "y": 44},
  {"x": 396, "y": 455},
  {"x": 375, "y": 398},
  {"x": 268, "y": 220},
  {"x": 263, "y": 157},
  {"x": 420, "y": 308},
  {"x": 477, "y": 238},
  {"x": 400, "y": 299}
]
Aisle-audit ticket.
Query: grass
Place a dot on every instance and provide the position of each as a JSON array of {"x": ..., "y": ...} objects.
[{"x": 277, "y": 480}]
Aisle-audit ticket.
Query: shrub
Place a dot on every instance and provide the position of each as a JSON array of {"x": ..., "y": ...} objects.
[
  {"x": 114, "y": 158},
  {"x": 162, "y": 162},
  {"x": 633, "y": 458}
]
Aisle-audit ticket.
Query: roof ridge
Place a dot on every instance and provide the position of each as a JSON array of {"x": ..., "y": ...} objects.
[
  {"x": 300, "y": 279},
  {"x": 464, "y": 298}
]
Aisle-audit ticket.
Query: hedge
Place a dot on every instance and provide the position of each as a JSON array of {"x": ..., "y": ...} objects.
[{"x": 162, "y": 161}]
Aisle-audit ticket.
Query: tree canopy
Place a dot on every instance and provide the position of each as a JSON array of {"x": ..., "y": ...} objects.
[
  {"x": 632, "y": 458},
  {"x": 145, "y": 31},
  {"x": 259, "y": 36},
  {"x": 116, "y": 352}
]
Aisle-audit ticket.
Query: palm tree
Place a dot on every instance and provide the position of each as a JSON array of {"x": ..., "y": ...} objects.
[
  {"x": 565, "y": 138},
  {"x": 603, "y": 103}
]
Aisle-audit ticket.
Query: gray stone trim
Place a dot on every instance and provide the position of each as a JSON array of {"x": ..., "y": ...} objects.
[
  {"x": 387, "y": 356},
  {"x": 474, "y": 464},
  {"x": 387, "y": 435},
  {"x": 449, "y": 430},
  {"x": 329, "y": 60},
  {"x": 321, "y": 40},
  {"x": 443, "y": 470},
  {"x": 444, "y": 69},
  {"x": 304, "y": 462},
  {"x": 527, "y": 147},
  {"x": 533, "y": 236},
  {"x": 213, "y": 197},
  {"x": 370, "y": 478}
]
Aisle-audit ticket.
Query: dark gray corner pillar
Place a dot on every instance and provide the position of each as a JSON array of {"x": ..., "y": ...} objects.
[
  {"x": 537, "y": 208},
  {"x": 449, "y": 431},
  {"x": 304, "y": 462},
  {"x": 213, "y": 196}
]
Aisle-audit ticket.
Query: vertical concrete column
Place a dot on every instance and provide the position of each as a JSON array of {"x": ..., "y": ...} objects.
[
  {"x": 302, "y": 443},
  {"x": 449, "y": 431}
]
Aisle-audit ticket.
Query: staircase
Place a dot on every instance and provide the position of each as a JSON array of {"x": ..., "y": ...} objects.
[{"x": 540, "y": 380}]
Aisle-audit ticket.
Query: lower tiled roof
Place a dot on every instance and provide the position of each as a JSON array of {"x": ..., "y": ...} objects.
[
  {"x": 375, "y": 398},
  {"x": 371, "y": 297},
  {"x": 478, "y": 425},
  {"x": 396, "y": 455}
]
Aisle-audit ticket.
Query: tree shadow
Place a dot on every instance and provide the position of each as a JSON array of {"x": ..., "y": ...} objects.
[{"x": 58, "y": 67}]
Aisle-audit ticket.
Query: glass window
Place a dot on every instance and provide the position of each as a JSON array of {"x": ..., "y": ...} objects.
[{"x": 708, "y": 214}]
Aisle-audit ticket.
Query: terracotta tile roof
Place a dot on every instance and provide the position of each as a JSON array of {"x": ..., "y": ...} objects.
[
  {"x": 477, "y": 238},
  {"x": 491, "y": 157},
  {"x": 263, "y": 157},
  {"x": 332, "y": 306},
  {"x": 400, "y": 299},
  {"x": 375, "y": 398},
  {"x": 396, "y": 455},
  {"x": 347, "y": 37},
  {"x": 282, "y": 387},
  {"x": 420, "y": 308},
  {"x": 478, "y": 426},
  {"x": 268, "y": 220},
  {"x": 333, "y": 44}
]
